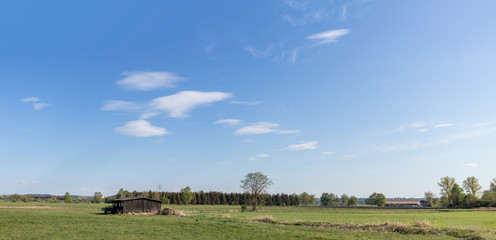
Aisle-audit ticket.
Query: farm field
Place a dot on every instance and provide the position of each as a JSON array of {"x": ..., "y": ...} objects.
[{"x": 85, "y": 221}]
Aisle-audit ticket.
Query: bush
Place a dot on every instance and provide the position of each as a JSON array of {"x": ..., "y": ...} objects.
[{"x": 243, "y": 208}]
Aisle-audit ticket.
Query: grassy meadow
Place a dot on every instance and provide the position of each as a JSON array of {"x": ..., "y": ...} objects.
[{"x": 85, "y": 221}]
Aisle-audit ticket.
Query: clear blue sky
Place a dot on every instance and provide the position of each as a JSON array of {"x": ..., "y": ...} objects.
[{"x": 347, "y": 97}]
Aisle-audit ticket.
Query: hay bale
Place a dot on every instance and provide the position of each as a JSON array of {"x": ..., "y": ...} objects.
[{"x": 172, "y": 212}]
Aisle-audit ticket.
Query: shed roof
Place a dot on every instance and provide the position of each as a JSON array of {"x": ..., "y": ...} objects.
[{"x": 134, "y": 198}]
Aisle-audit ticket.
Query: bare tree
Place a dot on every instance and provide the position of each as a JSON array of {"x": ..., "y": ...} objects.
[{"x": 257, "y": 184}]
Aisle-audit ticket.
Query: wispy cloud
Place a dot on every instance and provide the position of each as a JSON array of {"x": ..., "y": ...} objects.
[
  {"x": 441, "y": 125},
  {"x": 263, "y": 128},
  {"x": 36, "y": 102},
  {"x": 470, "y": 165},
  {"x": 231, "y": 122},
  {"x": 141, "y": 128},
  {"x": 440, "y": 137},
  {"x": 117, "y": 105},
  {"x": 146, "y": 81},
  {"x": 180, "y": 104},
  {"x": 310, "y": 145},
  {"x": 225, "y": 163},
  {"x": 330, "y": 36},
  {"x": 328, "y": 153},
  {"x": 306, "y": 18},
  {"x": 262, "y": 155},
  {"x": 257, "y": 52}
]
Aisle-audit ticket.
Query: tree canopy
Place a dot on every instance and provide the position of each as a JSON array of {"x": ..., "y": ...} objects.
[{"x": 256, "y": 183}]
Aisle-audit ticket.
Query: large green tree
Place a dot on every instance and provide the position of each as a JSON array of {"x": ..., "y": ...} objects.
[
  {"x": 186, "y": 195},
  {"x": 472, "y": 186},
  {"x": 492, "y": 187},
  {"x": 352, "y": 201},
  {"x": 98, "y": 197},
  {"x": 377, "y": 199},
  {"x": 67, "y": 198},
  {"x": 255, "y": 183},
  {"x": 446, "y": 184}
]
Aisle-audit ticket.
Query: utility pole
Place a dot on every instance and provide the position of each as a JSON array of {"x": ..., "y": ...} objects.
[{"x": 159, "y": 187}]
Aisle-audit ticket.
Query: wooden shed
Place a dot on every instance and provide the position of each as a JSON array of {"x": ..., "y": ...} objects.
[{"x": 135, "y": 205}]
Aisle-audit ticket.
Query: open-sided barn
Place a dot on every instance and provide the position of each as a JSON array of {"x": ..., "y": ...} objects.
[{"x": 134, "y": 205}]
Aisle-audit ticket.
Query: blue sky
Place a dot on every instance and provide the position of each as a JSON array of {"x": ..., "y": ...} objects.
[{"x": 347, "y": 97}]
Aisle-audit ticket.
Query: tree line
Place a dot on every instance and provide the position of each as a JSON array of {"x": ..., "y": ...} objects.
[
  {"x": 469, "y": 195},
  {"x": 186, "y": 196}
]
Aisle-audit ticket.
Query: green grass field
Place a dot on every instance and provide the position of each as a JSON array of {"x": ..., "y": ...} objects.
[{"x": 85, "y": 221}]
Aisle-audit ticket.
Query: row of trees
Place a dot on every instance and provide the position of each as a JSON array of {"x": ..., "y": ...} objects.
[
  {"x": 331, "y": 199},
  {"x": 470, "y": 195},
  {"x": 186, "y": 196}
]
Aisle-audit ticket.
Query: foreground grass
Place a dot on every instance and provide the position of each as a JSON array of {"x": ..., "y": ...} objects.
[{"x": 85, "y": 221}]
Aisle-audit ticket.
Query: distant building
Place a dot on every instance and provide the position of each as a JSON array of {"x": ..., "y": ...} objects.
[
  {"x": 134, "y": 205},
  {"x": 403, "y": 204}
]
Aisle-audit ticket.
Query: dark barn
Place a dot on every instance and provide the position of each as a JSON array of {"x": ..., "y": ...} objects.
[{"x": 135, "y": 205}]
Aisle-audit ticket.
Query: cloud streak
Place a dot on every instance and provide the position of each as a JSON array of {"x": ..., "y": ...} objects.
[
  {"x": 36, "y": 102},
  {"x": 310, "y": 145},
  {"x": 330, "y": 36},
  {"x": 180, "y": 104},
  {"x": 141, "y": 128},
  {"x": 263, "y": 128},
  {"x": 231, "y": 122},
  {"x": 146, "y": 81}
]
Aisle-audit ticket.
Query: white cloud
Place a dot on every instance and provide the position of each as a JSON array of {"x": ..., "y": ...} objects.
[
  {"x": 470, "y": 165},
  {"x": 117, "y": 105},
  {"x": 328, "y": 36},
  {"x": 141, "y": 128},
  {"x": 252, "y": 158},
  {"x": 30, "y": 99},
  {"x": 37, "y": 105},
  {"x": 262, "y": 155},
  {"x": 310, "y": 145},
  {"x": 149, "y": 115},
  {"x": 245, "y": 103},
  {"x": 225, "y": 163},
  {"x": 145, "y": 81},
  {"x": 328, "y": 153},
  {"x": 230, "y": 122},
  {"x": 262, "y": 128},
  {"x": 423, "y": 130},
  {"x": 441, "y": 125},
  {"x": 180, "y": 104}
]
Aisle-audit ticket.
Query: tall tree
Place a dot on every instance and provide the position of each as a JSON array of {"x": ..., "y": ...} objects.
[
  {"x": 446, "y": 184},
  {"x": 472, "y": 186},
  {"x": 256, "y": 183},
  {"x": 324, "y": 199},
  {"x": 493, "y": 185},
  {"x": 377, "y": 199},
  {"x": 352, "y": 201},
  {"x": 67, "y": 198},
  {"x": 305, "y": 199},
  {"x": 428, "y": 197},
  {"x": 98, "y": 197},
  {"x": 344, "y": 199},
  {"x": 186, "y": 195}
]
